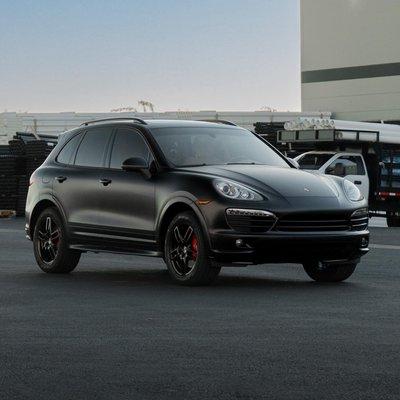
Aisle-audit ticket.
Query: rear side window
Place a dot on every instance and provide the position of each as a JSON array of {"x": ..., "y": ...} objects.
[
  {"x": 66, "y": 155},
  {"x": 128, "y": 144},
  {"x": 92, "y": 148}
]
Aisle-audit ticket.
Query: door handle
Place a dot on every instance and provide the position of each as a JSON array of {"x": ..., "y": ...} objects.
[
  {"x": 357, "y": 182},
  {"x": 61, "y": 179},
  {"x": 105, "y": 182}
]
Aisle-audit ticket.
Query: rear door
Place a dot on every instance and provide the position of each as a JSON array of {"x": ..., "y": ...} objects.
[
  {"x": 351, "y": 167},
  {"x": 77, "y": 187}
]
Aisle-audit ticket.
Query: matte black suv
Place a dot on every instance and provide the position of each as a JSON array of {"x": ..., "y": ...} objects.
[{"x": 201, "y": 195}]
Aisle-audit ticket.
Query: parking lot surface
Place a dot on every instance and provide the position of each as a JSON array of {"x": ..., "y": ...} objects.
[{"x": 118, "y": 328}]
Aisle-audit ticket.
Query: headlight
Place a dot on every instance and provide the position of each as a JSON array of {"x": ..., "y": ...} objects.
[
  {"x": 352, "y": 192},
  {"x": 234, "y": 190}
]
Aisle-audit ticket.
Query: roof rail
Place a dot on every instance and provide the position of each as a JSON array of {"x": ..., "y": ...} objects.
[
  {"x": 139, "y": 120},
  {"x": 218, "y": 121}
]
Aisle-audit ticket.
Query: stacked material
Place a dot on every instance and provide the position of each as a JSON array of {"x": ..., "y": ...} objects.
[
  {"x": 349, "y": 130},
  {"x": 8, "y": 182},
  {"x": 18, "y": 160}
]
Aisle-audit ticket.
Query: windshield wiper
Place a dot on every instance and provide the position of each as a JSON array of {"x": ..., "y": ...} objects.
[
  {"x": 241, "y": 163},
  {"x": 192, "y": 165}
]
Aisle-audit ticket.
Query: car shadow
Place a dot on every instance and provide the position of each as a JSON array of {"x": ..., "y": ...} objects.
[{"x": 135, "y": 277}]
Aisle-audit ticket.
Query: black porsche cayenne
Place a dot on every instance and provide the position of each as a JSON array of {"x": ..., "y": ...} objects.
[{"x": 201, "y": 195}]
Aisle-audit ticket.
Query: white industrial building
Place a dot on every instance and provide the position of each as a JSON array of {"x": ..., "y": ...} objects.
[
  {"x": 350, "y": 58},
  {"x": 53, "y": 124}
]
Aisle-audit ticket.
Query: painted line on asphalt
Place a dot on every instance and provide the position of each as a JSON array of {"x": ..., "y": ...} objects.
[
  {"x": 384, "y": 246},
  {"x": 21, "y": 231}
]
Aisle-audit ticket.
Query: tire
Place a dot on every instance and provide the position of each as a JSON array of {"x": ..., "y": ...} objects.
[
  {"x": 50, "y": 244},
  {"x": 392, "y": 219},
  {"x": 186, "y": 252},
  {"x": 321, "y": 272}
]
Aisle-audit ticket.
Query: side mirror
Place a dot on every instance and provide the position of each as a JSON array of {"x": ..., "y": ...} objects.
[
  {"x": 293, "y": 163},
  {"x": 135, "y": 164},
  {"x": 329, "y": 171}
]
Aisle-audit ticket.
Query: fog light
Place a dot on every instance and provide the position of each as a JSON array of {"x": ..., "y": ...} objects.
[
  {"x": 239, "y": 242},
  {"x": 364, "y": 242}
]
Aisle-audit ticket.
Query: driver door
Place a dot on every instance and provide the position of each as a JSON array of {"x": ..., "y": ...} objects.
[{"x": 127, "y": 198}]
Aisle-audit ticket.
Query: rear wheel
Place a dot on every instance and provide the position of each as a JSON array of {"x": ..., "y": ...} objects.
[
  {"x": 186, "y": 252},
  {"x": 50, "y": 244},
  {"x": 322, "y": 272}
]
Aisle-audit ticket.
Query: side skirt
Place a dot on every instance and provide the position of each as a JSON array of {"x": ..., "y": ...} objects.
[{"x": 115, "y": 250}]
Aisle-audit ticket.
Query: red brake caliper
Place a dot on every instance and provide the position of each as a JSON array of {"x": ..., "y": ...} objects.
[
  {"x": 195, "y": 247},
  {"x": 56, "y": 240}
]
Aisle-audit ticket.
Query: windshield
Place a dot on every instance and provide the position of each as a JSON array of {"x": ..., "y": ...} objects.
[
  {"x": 313, "y": 161},
  {"x": 192, "y": 146}
]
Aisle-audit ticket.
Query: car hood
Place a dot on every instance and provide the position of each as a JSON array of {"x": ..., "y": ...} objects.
[{"x": 286, "y": 182}]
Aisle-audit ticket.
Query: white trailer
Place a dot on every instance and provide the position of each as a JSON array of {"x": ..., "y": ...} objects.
[{"x": 368, "y": 154}]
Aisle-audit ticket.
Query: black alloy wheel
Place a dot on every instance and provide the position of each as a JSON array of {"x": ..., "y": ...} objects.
[
  {"x": 183, "y": 248},
  {"x": 186, "y": 252},
  {"x": 51, "y": 246},
  {"x": 49, "y": 235}
]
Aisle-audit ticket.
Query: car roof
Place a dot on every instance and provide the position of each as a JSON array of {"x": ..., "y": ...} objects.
[
  {"x": 148, "y": 123},
  {"x": 160, "y": 123}
]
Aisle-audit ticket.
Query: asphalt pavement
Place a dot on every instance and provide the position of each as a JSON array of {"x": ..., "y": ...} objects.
[{"x": 118, "y": 328}]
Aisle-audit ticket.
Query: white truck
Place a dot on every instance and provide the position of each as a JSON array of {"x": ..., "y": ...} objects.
[{"x": 367, "y": 154}]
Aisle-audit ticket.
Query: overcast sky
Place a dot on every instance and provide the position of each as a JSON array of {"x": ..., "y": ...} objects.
[{"x": 95, "y": 55}]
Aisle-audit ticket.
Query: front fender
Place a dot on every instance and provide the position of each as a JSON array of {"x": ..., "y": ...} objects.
[{"x": 188, "y": 200}]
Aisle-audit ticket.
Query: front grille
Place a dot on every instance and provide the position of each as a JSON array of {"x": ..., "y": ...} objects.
[
  {"x": 250, "y": 221},
  {"x": 359, "y": 220},
  {"x": 258, "y": 221},
  {"x": 312, "y": 223}
]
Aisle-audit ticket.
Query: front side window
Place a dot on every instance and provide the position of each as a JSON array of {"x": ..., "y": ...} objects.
[
  {"x": 66, "y": 155},
  {"x": 313, "y": 161},
  {"x": 346, "y": 165},
  {"x": 190, "y": 146},
  {"x": 128, "y": 144},
  {"x": 92, "y": 148}
]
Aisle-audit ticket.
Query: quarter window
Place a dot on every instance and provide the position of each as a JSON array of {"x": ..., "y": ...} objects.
[
  {"x": 66, "y": 155},
  {"x": 128, "y": 144},
  {"x": 92, "y": 148}
]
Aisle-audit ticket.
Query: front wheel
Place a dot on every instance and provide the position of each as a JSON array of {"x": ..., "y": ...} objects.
[
  {"x": 186, "y": 252},
  {"x": 50, "y": 244},
  {"x": 322, "y": 272}
]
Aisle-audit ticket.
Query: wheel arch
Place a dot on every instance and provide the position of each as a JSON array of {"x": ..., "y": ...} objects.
[
  {"x": 170, "y": 210},
  {"x": 39, "y": 208}
]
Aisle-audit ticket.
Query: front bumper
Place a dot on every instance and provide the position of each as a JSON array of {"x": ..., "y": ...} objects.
[{"x": 288, "y": 247}]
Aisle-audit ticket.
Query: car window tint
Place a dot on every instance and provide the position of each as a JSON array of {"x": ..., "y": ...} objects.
[
  {"x": 91, "y": 150},
  {"x": 66, "y": 155},
  {"x": 222, "y": 145},
  {"x": 128, "y": 144},
  {"x": 346, "y": 165}
]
